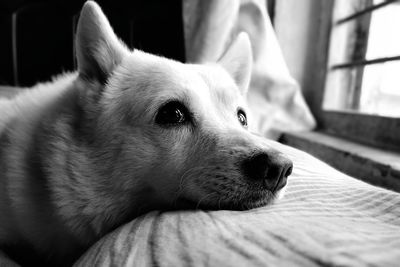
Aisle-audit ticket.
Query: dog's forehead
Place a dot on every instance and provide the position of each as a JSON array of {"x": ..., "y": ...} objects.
[
  {"x": 158, "y": 79},
  {"x": 220, "y": 84}
]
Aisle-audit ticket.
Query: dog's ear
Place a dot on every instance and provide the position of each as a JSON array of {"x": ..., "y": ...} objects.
[
  {"x": 237, "y": 60},
  {"x": 98, "y": 49}
]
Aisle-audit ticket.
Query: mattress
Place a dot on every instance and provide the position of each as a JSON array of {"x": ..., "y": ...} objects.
[{"x": 325, "y": 219}]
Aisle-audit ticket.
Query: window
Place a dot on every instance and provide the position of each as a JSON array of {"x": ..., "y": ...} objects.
[{"x": 362, "y": 90}]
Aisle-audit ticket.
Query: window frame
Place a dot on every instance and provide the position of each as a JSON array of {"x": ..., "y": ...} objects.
[{"x": 378, "y": 131}]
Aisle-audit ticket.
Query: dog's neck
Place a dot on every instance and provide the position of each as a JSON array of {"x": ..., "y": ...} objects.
[
  {"x": 62, "y": 174},
  {"x": 61, "y": 158},
  {"x": 77, "y": 163}
]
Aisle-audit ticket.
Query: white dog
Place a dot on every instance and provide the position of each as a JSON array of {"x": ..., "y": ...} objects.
[{"x": 128, "y": 133}]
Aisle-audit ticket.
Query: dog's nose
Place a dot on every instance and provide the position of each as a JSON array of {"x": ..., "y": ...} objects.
[{"x": 272, "y": 169}]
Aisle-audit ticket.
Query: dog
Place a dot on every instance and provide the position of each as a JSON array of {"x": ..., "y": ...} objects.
[{"x": 127, "y": 133}]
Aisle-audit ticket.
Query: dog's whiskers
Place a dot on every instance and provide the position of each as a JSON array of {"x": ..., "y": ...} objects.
[{"x": 182, "y": 179}]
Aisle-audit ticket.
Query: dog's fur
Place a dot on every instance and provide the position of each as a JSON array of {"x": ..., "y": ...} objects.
[{"x": 82, "y": 154}]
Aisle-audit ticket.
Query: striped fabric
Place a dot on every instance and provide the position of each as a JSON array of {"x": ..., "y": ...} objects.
[{"x": 325, "y": 219}]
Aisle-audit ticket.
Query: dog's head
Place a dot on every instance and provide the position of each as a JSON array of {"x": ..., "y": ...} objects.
[{"x": 174, "y": 134}]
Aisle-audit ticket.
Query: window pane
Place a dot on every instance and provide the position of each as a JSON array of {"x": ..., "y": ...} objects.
[
  {"x": 345, "y": 8},
  {"x": 380, "y": 92},
  {"x": 348, "y": 40},
  {"x": 384, "y": 32},
  {"x": 340, "y": 89}
]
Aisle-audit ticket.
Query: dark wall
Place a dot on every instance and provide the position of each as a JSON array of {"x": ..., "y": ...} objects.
[{"x": 37, "y": 36}]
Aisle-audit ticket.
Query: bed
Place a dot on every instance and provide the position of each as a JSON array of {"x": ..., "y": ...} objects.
[{"x": 325, "y": 219}]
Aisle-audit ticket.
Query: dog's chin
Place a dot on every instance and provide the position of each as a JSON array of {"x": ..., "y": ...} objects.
[{"x": 252, "y": 200}]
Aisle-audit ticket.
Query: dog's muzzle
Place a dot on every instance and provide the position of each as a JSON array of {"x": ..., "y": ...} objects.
[{"x": 271, "y": 169}]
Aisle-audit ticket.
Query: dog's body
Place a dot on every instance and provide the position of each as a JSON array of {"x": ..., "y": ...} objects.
[{"x": 128, "y": 133}]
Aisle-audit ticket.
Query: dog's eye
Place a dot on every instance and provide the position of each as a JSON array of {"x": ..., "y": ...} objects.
[
  {"x": 172, "y": 113},
  {"x": 242, "y": 117}
]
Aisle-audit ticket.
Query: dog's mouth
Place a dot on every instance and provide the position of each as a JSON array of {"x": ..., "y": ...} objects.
[
  {"x": 280, "y": 184},
  {"x": 250, "y": 200},
  {"x": 235, "y": 196}
]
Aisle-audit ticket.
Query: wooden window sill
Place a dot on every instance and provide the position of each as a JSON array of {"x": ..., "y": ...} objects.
[{"x": 372, "y": 165}]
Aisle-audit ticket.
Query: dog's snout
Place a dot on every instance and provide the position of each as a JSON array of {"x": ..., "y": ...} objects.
[
  {"x": 255, "y": 167},
  {"x": 272, "y": 169}
]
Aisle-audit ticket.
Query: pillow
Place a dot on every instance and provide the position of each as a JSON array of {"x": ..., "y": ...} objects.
[{"x": 326, "y": 219}]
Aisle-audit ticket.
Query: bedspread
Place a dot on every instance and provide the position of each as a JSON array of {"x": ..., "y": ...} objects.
[{"x": 325, "y": 219}]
